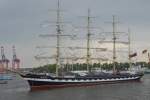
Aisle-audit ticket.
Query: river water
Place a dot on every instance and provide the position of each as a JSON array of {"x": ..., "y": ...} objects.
[{"x": 18, "y": 89}]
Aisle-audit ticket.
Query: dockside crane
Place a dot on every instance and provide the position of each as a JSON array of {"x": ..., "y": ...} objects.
[
  {"x": 3, "y": 61},
  {"x": 15, "y": 60}
]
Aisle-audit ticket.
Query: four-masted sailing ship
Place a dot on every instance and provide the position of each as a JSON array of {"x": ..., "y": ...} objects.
[{"x": 43, "y": 81}]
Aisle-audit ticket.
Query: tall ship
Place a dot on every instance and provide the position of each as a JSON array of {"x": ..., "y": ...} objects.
[{"x": 86, "y": 78}]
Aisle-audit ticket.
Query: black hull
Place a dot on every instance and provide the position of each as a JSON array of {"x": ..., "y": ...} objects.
[{"x": 40, "y": 83}]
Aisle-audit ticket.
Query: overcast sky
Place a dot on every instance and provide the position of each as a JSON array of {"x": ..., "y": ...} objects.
[{"x": 20, "y": 22}]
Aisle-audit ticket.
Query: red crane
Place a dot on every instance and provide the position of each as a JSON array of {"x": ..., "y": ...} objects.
[
  {"x": 4, "y": 61},
  {"x": 1, "y": 67},
  {"x": 15, "y": 60}
]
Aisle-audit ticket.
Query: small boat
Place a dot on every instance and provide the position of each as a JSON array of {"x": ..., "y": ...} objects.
[{"x": 5, "y": 77}]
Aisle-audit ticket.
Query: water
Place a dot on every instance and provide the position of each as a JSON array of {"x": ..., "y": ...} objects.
[{"x": 18, "y": 89}]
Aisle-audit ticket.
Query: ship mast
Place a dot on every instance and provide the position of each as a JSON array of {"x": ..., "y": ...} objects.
[
  {"x": 58, "y": 36},
  {"x": 114, "y": 32},
  {"x": 114, "y": 44},
  {"x": 58, "y": 39},
  {"x": 88, "y": 47},
  {"x": 58, "y": 47},
  {"x": 88, "y": 41},
  {"x": 129, "y": 48}
]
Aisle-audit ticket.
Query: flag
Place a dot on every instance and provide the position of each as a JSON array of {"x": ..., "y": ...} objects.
[
  {"x": 133, "y": 55},
  {"x": 144, "y": 51},
  {"x": 149, "y": 57}
]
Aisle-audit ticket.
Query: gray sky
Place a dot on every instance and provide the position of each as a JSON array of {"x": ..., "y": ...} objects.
[{"x": 20, "y": 21}]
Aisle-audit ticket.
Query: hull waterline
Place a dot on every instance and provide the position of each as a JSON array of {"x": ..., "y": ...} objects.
[{"x": 51, "y": 83}]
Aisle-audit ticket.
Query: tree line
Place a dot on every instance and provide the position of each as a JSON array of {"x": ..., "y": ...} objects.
[{"x": 50, "y": 68}]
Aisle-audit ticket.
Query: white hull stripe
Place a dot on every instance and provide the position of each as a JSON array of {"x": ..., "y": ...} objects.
[{"x": 81, "y": 80}]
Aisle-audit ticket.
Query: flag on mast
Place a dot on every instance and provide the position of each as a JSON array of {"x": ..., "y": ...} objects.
[
  {"x": 133, "y": 55},
  {"x": 144, "y": 51}
]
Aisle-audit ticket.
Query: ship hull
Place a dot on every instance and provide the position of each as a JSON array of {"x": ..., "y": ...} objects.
[{"x": 50, "y": 83}]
